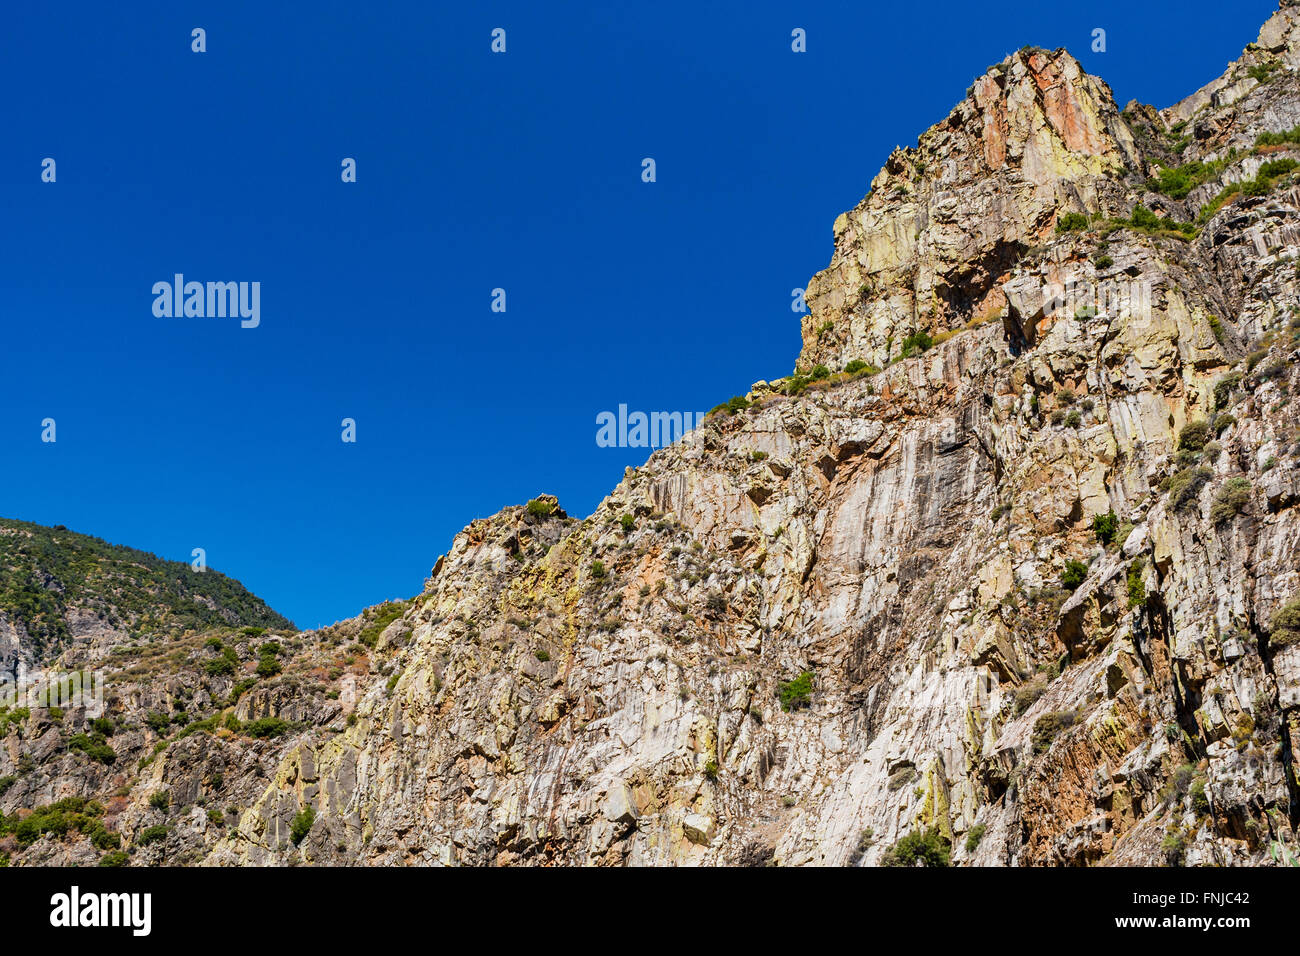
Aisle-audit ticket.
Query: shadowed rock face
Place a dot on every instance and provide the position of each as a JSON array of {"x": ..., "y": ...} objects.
[{"x": 619, "y": 691}]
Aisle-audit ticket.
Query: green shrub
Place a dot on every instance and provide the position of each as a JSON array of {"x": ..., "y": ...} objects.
[
  {"x": 222, "y": 666},
  {"x": 93, "y": 746},
  {"x": 1103, "y": 262},
  {"x": 1144, "y": 218},
  {"x": 1223, "y": 422},
  {"x": 1071, "y": 222},
  {"x": 543, "y": 655},
  {"x": 540, "y": 508},
  {"x": 301, "y": 824},
  {"x": 1074, "y": 574},
  {"x": 268, "y": 666},
  {"x": 598, "y": 569},
  {"x": 1074, "y": 419},
  {"x": 115, "y": 858},
  {"x": 1200, "y": 802},
  {"x": 1277, "y": 167},
  {"x": 103, "y": 838},
  {"x": 1231, "y": 500},
  {"x": 160, "y": 800},
  {"x": 1105, "y": 526},
  {"x": 1174, "y": 846},
  {"x": 102, "y": 725},
  {"x": 1279, "y": 139},
  {"x": 818, "y": 373},
  {"x": 1263, "y": 72},
  {"x": 151, "y": 835},
  {"x": 157, "y": 722},
  {"x": 916, "y": 343},
  {"x": 1284, "y": 629},
  {"x": 265, "y": 727},
  {"x": 1048, "y": 726},
  {"x": 73, "y": 814},
  {"x": 1186, "y": 485},
  {"x": 1176, "y": 183},
  {"x": 796, "y": 693},
  {"x": 928, "y": 848},
  {"x": 857, "y": 365},
  {"x": 384, "y": 615},
  {"x": 1137, "y": 590},
  {"x": 1224, "y": 388},
  {"x": 6, "y": 783},
  {"x": 973, "y": 837},
  {"x": 738, "y": 403},
  {"x": 628, "y": 523},
  {"x": 1194, "y": 435},
  {"x": 1027, "y": 694}
]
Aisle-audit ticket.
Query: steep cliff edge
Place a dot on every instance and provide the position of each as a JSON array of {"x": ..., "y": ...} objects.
[{"x": 1017, "y": 588}]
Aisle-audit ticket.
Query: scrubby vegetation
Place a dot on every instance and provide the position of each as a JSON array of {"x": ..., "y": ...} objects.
[
  {"x": 1194, "y": 435},
  {"x": 153, "y": 834},
  {"x": 916, "y": 343},
  {"x": 1104, "y": 527},
  {"x": 133, "y": 590},
  {"x": 302, "y": 824},
  {"x": 1284, "y": 629},
  {"x": 266, "y": 727},
  {"x": 1231, "y": 500},
  {"x": 1177, "y": 182},
  {"x": 920, "y": 848},
  {"x": 71, "y": 815},
  {"x": 1261, "y": 185},
  {"x": 1186, "y": 485},
  {"x": 378, "y": 619},
  {"x": 1137, "y": 590},
  {"x": 540, "y": 508},
  {"x": 1074, "y": 574},
  {"x": 797, "y": 693},
  {"x": 1048, "y": 726},
  {"x": 93, "y": 745}
]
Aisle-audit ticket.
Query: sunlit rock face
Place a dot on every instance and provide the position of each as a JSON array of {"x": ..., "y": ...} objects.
[{"x": 1004, "y": 593}]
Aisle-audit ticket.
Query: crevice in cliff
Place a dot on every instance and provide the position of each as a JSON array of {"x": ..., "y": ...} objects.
[
  {"x": 1186, "y": 699},
  {"x": 1283, "y": 728}
]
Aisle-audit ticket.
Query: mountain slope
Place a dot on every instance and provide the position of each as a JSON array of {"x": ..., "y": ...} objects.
[
  {"x": 1017, "y": 587},
  {"x": 58, "y": 587}
]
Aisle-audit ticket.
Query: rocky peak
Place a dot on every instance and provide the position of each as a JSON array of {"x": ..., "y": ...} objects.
[{"x": 946, "y": 220}]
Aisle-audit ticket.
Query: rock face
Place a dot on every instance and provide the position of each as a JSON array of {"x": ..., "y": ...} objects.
[{"x": 1022, "y": 591}]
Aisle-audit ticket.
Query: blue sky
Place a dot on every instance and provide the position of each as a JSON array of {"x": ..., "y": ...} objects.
[{"x": 475, "y": 171}]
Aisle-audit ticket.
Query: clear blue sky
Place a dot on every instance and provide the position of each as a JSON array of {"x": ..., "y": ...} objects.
[{"x": 475, "y": 171}]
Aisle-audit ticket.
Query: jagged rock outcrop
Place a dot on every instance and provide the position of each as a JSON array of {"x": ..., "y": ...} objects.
[{"x": 1023, "y": 590}]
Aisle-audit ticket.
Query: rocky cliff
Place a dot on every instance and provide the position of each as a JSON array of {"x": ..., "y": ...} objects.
[{"x": 1005, "y": 573}]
